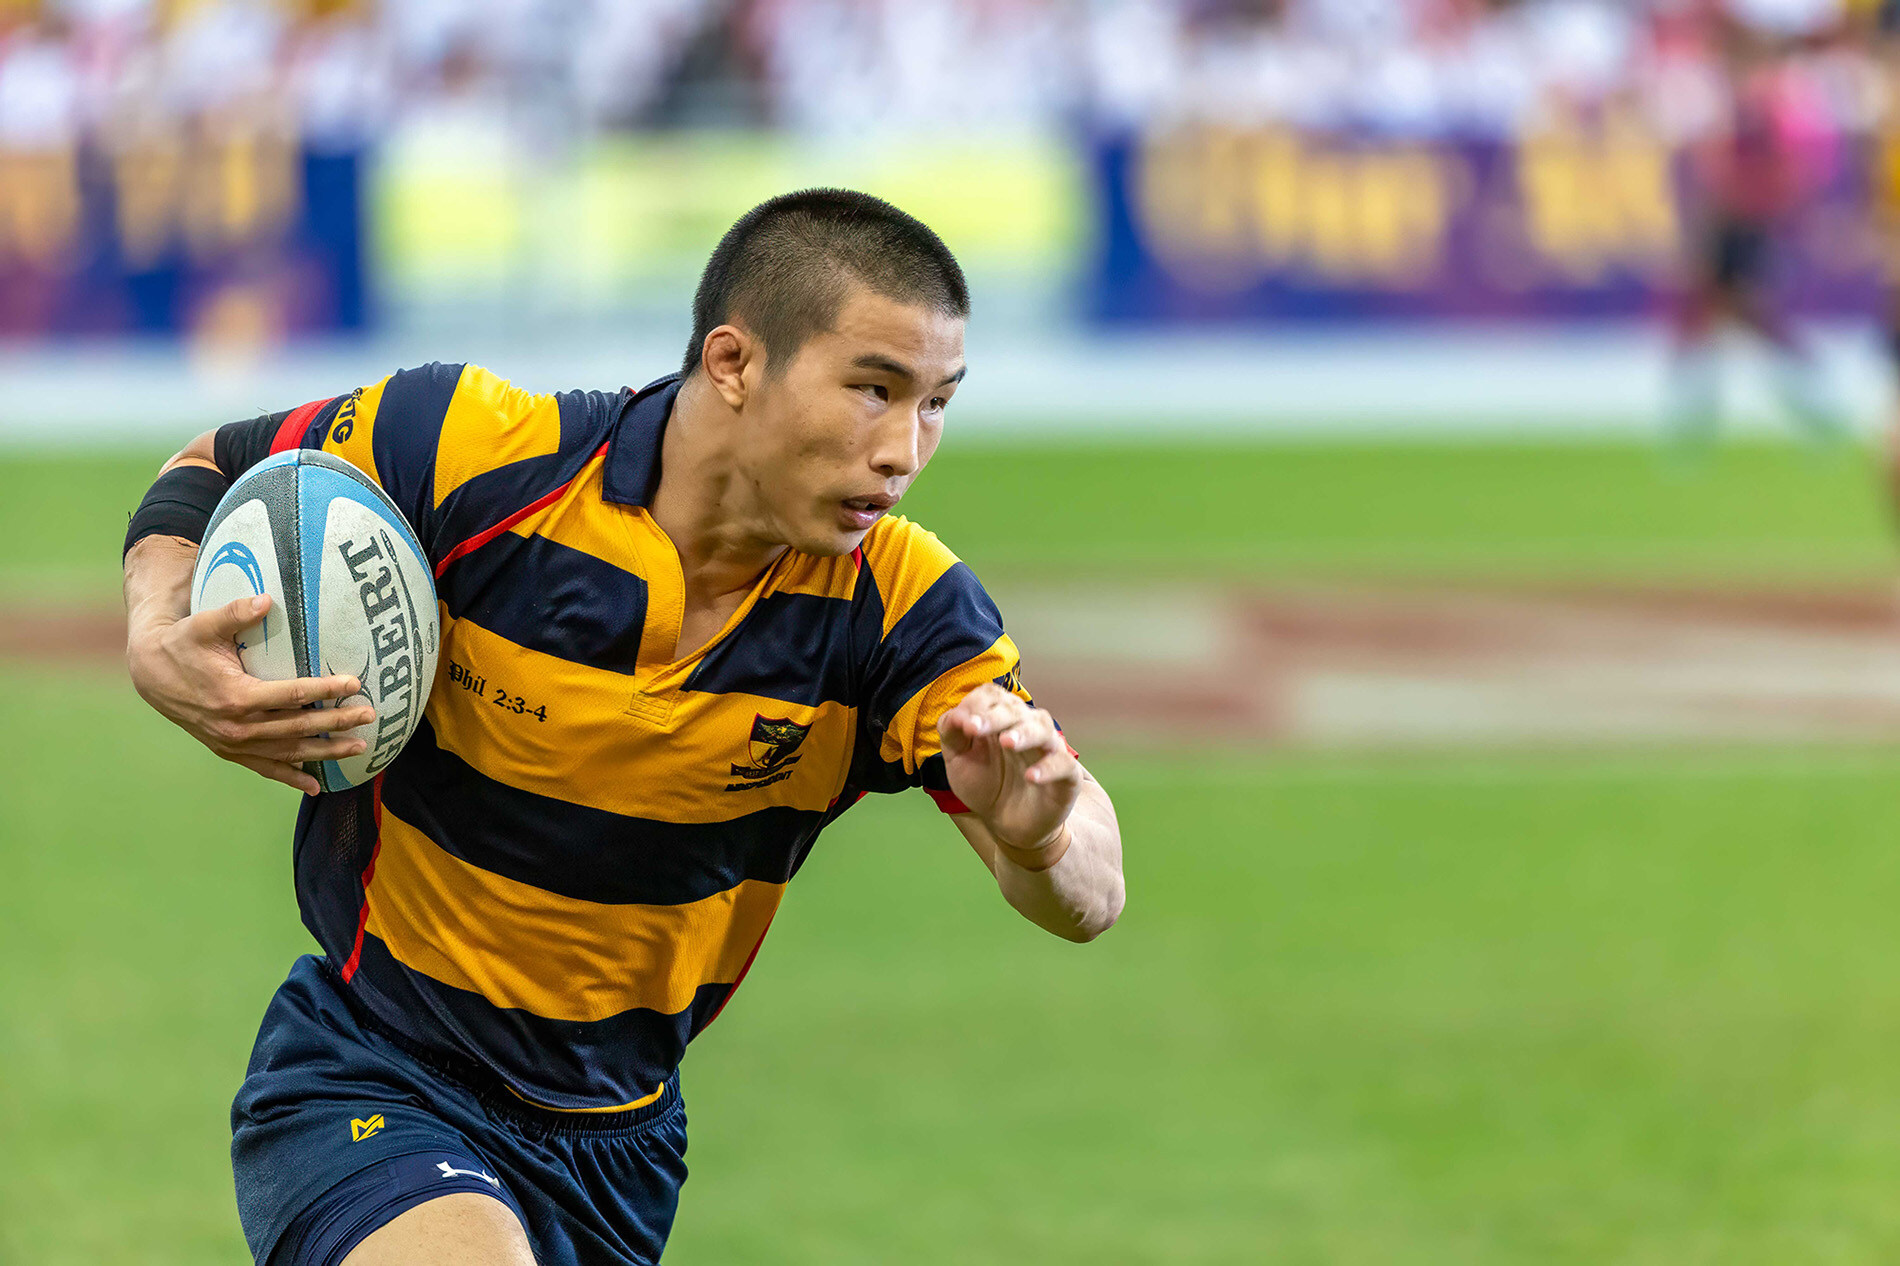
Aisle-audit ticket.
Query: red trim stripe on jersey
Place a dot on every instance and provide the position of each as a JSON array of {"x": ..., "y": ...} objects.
[
  {"x": 369, "y": 873},
  {"x": 290, "y": 434},
  {"x": 947, "y": 800},
  {"x": 486, "y": 535}
]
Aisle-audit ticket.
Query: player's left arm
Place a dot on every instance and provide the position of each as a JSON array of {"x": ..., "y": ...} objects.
[{"x": 1040, "y": 822}]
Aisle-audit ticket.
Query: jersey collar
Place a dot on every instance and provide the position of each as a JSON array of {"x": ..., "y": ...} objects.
[{"x": 632, "y": 474}]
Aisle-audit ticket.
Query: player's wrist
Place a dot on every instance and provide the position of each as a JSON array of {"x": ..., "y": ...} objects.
[
  {"x": 1041, "y": 855},
  {"x": 158, "y": 580},
  {"x": 149, "y": 619}
]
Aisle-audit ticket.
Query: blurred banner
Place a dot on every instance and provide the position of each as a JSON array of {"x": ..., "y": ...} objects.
[
  {"x": 469, "y": 218},
  {"x": 234, "y": 237},
  {"x": 1213, "y": 224}
]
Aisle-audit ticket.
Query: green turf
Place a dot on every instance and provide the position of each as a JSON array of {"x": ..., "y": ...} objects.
[
  {"x": 1635, "y": 1009},
  {"x": 1764, "y": 511},
  {"x": 1480, "y": 509},
  {"x": 64, "y": 518},
  {"x": 1529, "y": 1010}
]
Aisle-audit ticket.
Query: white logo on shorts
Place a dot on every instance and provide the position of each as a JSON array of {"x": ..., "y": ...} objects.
[{"x": 450, "y": 1171}]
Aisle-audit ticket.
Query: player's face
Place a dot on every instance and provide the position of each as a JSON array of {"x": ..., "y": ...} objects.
[{"x": 847, "y": 426}]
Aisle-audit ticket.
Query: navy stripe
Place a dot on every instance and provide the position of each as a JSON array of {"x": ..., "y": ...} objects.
[
  {"x": 585, "y": 853},
  {"x": 481, "y": 502},
  {"x": 587, "y": 418},
  {"x": 952, "y": 623},
  {"x": 869, "y": 623},
  {"x": 795, "y": 647},
  {"x": 407, "y": 430},
  {"x": 319, "y": 429},
  {"x": 633, "y": 464},
  {"x": 550, "y": 598},
  {"x": 336, "y": 834},
  {"x": 562, "y": 1063}
]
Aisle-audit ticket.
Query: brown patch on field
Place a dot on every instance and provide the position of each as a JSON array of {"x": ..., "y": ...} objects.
[
  {"x": 1406, "y": 666},
  {"x": 1397, "y": 666},
  {"x": 80, "y": 634}
]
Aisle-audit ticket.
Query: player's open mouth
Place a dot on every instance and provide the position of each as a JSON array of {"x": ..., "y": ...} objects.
[{"x": 861, "y": 512}]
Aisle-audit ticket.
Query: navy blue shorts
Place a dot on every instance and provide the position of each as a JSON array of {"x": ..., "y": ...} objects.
[{"x": 339, "y": 1128}]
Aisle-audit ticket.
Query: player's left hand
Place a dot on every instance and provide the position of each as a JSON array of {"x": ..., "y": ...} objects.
[{"x": 1007, "y": 761}]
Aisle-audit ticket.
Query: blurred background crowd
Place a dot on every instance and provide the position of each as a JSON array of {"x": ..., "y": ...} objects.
[
  {"x": 239, "y": 173},
  {"x": 340, "y": 71}
]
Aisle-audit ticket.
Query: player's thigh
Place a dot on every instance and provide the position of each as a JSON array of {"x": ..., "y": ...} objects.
[{"x": 463, "y": 1228}]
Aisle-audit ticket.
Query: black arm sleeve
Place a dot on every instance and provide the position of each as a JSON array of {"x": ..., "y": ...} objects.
[
  {"x": 181, "y": 502},
  {"x": 238, "y": 446}
]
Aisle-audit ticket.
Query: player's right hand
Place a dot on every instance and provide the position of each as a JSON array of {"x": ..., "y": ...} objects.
[{"x": 188, "y": 669}]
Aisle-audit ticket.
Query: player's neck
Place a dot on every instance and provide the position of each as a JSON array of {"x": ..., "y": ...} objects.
[{"x": 709, "y": 512}]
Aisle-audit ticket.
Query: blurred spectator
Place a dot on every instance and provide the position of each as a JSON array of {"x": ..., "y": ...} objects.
[{"x": 341, "y": 70}]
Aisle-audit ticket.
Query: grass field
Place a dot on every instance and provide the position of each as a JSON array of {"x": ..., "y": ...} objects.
[
  {"x": 1616, "y": 1007},
  {"x": 1444, "y": 509}
]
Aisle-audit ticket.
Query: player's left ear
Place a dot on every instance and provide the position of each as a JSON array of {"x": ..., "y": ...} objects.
[{"x": 726, "y": 355}]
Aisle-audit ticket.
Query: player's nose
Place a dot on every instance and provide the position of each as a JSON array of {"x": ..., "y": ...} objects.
[{"x": 898, "y": 452}]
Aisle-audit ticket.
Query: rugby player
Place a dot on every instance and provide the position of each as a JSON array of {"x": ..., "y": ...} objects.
[
  {"x": 681, "y": 634},
  {"x": 1880, "y": 22},
  {"x": 1751, "y": 178}
]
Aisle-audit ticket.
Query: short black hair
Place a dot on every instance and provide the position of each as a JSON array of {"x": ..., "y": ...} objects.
[{"x": 783, "y": 270}]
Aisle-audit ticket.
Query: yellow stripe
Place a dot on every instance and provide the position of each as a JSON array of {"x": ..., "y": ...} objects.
[
  {"x": 491, "y": 423},
  {"x": 618, "y": 1107},
  {"x": 905, "y": 561},
  {"x": 554, "y": 956},
  {"x": 350, "y": 430},
  {"x": 819, "y": 577},
  {"x": 581, "y": 520},
  {"x": 593, "y": 751},
  {"x": 666, "y": 593},
  {"x": 626, "y": 537},
  {"x": 912, "y": 737}
]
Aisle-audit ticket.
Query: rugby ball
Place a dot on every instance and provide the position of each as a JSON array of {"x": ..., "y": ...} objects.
[{"x": 350, "y": 591}]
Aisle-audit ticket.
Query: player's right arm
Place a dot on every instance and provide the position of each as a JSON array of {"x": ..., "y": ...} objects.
[
  {"x": 455, "y": 447},
  {"x": 186, "y": 666}
]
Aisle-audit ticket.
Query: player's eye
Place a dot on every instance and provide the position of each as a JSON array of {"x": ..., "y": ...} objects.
[
  {"x": 937, "y": 404},
  {"x": 882, "y": 393}
]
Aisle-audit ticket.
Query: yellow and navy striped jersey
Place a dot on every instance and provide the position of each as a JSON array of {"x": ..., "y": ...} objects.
[{"x": 568, "y": 870}]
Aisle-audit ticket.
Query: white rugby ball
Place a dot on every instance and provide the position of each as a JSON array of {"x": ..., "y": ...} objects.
[{"x": 350, "y": 590}]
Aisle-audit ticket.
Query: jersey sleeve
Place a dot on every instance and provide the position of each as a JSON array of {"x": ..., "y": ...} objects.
[
  {"x": 942, "y": 637},
  {"x": 390, "y": 431},
  {"x": 456, "y": 447},
  {"x": 238, "y": 446}
]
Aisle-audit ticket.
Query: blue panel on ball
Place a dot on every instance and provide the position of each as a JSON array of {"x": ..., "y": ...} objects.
[
  {"x": 290, "y": 458},
  {"x": 318, "y": 484},
  {"x": 390, "y": 511},
  {"x": 317, "y": 487}
]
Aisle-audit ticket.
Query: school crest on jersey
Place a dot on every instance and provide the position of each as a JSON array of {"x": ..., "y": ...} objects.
[
  {"x": 773, "y": 747},
  {"x": 1012, "y": 680}
]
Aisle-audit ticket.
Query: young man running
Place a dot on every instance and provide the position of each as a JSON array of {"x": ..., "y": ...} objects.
[
  {"x": 1752, "y": 175},
  {"x": 681, "y": 634}
]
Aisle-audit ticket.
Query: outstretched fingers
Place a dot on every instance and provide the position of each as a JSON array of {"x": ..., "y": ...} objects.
[
  {"x": 278, "y": 771},
  {"x": 307, "y": 722},
  {"x": 301, "y": 751},
  {"x": 222, "y": 624},
  {"x": 298, "y": 692}
]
